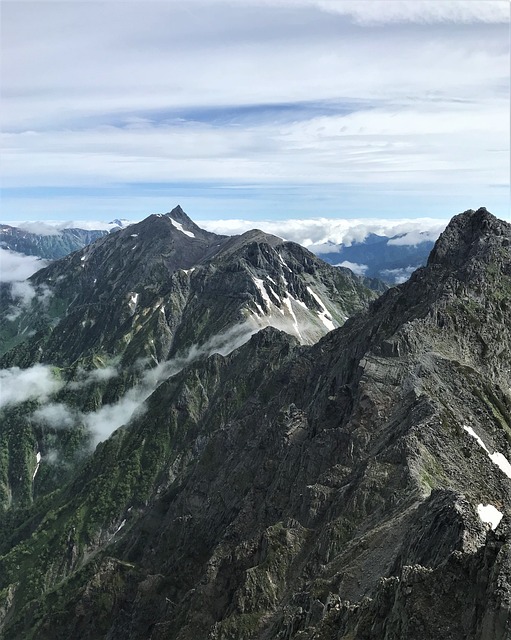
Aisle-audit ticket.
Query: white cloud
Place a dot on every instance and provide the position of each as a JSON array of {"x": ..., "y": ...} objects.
[
  {"x": 399, "y": 275},
  {"x": 86, "y": 378},
  {"x": 15, "y": 267},
  {"x": 420, "y": 11},
  {"x": 324, "y": 235},
  {"x": 115, "y": 101},
  {"x": 23, "y": 292},
  {"x": 358, "y": 269},
  {"x": 56, "y": 415},
  {"x": 108, "y": 418},
  {"x": 36, "y": 383},
  {"x": 39, "y": 228},
  {"x": 416, "y": 236}
]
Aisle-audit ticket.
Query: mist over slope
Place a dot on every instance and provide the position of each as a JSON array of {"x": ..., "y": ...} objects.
[{"x": 87, "y": 339}]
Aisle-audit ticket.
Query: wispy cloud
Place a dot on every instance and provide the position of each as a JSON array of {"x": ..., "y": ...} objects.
[
  {"x": 358, "y": 269},
  {"x": 398, "y": 275},
  {"x": 15, "y": 267},
  {"x": 103, "y": 422},
  {"x": 35, "y": 383},
  {"x": 410, "y": 95},
  {"x": 419, "y": 11}
]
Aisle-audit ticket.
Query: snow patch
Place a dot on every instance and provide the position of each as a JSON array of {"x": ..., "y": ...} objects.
[
  {"x": 133, "y": 302},
  {"x": 489, "y": 514},
  {"x": 497, "y": 458},
  {"x": 120, "y": 526},
  {"x": 289, "y": 305},
  {"x": 179, "y": 227},
  {"x": 281, "y": 259},
  {"x": 324, "y": 315},
  {"x": 38, "y": 462},
  {"x": 277, "y": 299},
  {"x": 301, "y": 303},
  {"x": 264, "y": 294}
]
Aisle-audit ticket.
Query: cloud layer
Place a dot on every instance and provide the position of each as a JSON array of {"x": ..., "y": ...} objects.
[
  {"x": 16, "y": 267},
  {"x": 306, "y": 106},
  {"x": 19, "y": 385},
  {"x": 323, "y": 235},
  {"x": 39, "y": 383}
]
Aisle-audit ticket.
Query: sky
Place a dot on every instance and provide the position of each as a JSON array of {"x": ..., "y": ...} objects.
[{"x": 254, "y": 109}]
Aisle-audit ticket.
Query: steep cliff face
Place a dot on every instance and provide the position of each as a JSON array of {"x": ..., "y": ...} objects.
[{"x": 356, "y": 488}]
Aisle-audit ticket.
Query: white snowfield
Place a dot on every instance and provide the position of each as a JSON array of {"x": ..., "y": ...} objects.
[
  {"x": 324, "y": 315},
  {"x": 38, "y": 462},
  {"x": 497, "y": 458},
  {"x": 179, "y": 226},
  {"x": 289, "y": 314},
  {"x": 489, "y": 514}
]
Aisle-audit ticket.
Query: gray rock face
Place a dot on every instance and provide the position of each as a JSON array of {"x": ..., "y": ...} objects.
[{"x": 345, "y": 490}]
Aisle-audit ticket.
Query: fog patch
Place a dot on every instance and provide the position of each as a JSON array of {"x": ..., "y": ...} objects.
[
  {"x": 23, "y": 294},
  {"x": 358, "y": 269},
  {"x": 15, "y": 267},
  {"x": 86, "y": 378},
  {"x": 56, "y": 415},
  {"x": 36, "y": 383},
  {"x": 398, "y": 275}
]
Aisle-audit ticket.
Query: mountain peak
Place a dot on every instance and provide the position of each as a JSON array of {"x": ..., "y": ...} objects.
[
  {"x": 468, "y": 235},
  {"x": 182, "y": 221}
]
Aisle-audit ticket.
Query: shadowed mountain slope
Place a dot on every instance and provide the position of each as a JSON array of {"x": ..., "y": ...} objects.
[{"x": 356, "y": 488}]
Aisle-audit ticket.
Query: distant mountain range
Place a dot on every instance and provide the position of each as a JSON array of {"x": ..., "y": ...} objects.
[
  {"x": 389, "y": 258},
  {"x": 53, "y": 243}
]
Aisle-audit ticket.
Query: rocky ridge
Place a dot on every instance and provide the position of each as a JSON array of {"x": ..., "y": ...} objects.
[
  {"x": 356, "y": 488},
  {"x": 112, "y": 317}
]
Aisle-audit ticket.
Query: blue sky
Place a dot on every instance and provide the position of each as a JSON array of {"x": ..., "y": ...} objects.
[{"x": 261, "y": 109}]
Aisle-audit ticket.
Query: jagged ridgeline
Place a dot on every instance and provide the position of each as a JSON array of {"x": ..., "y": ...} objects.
[
  {"x": 102, "y": 327},
  {"x": 267, "y": 483}
]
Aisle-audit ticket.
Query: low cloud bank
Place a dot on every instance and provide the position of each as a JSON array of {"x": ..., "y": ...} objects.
[
  {"x": 358, "y": 269},
  {"x": 36, "y": 383},
  {"x": 324, "y": 235},
  {"x": 398, "y": 275},
  {"x": 16, "y": 267},
  {"x": 38, "y": 228}
]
